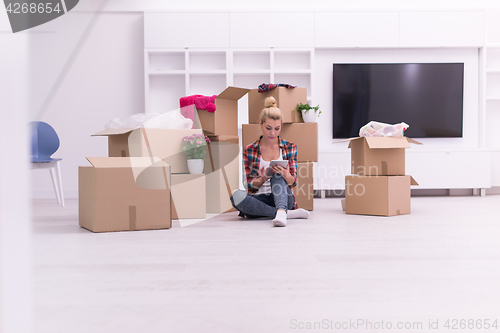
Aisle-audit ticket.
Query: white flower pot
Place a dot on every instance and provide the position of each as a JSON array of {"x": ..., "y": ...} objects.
[
  {"x": 196, "y": 166},
  {"x": 310, "y": 116}
]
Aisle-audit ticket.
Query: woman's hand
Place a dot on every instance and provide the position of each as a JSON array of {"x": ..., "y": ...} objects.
[
  {"x": 285, "y": 172},
  {"x": 263, "y": 174}
]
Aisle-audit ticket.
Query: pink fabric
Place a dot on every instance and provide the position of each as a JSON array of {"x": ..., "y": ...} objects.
[{"x": 201, "y": 102}]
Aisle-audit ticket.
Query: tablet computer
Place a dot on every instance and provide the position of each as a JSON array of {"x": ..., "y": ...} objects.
[{"x": 283, "y": 163}]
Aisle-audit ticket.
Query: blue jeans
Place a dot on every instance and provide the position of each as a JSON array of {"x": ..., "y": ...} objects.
[{"x": 265, "y": 205}]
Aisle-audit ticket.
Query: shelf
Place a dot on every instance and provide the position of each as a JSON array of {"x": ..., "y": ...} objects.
[
  {"x": 167, "y": 73},
  {"x": 207, "y": 72},
  {"x": 284, "y": 61},
  {"x": 293, "y": 71},
  {"x": 493, "y": 98},
  {"x": 256, "y": 72},
  {"x": 493, "y": 71},
  {"x": 245, "y": 61},
  {"x": 207, "y": 61},
  {"x": 161, "y": 61}
]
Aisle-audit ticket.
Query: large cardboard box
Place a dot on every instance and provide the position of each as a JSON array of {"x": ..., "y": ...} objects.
[
  {"x": 165, "y": 144},
  {"x": 188, "y": 196},
  {"x": 378, "y": 195},
  {"x": 379, "y": 156},
  {"x": 224, "y": 121},
  {"x": 222, "y": 172},
  {"x": 304, "y": 135},
  {"x": 124, "y": 193},
  {"x": 304, "y": 191},
  {"x": 286, "y": 100}
]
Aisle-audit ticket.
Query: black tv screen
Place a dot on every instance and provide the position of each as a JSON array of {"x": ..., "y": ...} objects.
[{"x": 426, "y": 96}]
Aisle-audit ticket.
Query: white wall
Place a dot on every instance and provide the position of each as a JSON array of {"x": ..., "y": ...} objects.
[
  {"x": 15, "y": 214},
  {"x": 89, "y": 66}
]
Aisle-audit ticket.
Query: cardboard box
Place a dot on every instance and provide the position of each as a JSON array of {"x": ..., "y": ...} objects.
[
  {"x": 224, "y": 121},
  {"x": 124, "y": 193},
  {"x": 188, "y": 196},
  {"x": 222, "y": 173},
  {"x": 286, "y": 100},
  {"x": 304, "y": 135},
  {"x": 378, "y": 195},
  {"x": 304, "y": 191},
  {"x": 165, "y": 144},
  {"x": 378, "y": 156}
]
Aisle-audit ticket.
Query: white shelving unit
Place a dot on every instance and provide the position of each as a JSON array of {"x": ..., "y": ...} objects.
[
  {"x": 174, "y": 73},
  {"x": 492, "y": 80}
]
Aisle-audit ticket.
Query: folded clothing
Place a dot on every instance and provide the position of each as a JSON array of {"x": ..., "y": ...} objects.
[
  {"x": 200, "y": 101},
  {"x": 270, "y": 86}
]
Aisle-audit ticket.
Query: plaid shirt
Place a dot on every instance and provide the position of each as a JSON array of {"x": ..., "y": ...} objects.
[{"x": 251, "y": 161}]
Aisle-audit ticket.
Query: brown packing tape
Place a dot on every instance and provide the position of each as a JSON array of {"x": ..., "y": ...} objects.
[
  {"x": 385, "y": 170},
  {"x": 132, "y": 215}
]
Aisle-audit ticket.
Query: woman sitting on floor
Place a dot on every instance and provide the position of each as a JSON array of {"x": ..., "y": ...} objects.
[{"x": 269, "y": 189}]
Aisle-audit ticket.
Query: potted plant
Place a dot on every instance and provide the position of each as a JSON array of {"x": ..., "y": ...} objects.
[
  {"x": 194, "y": 147},
  {"x": 307, "y": 115}
]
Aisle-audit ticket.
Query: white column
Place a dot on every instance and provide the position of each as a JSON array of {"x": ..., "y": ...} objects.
[{"x": 15, "y": 207}]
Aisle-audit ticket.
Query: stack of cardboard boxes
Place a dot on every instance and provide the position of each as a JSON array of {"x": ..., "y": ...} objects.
[
  {"x": 222, "y": 167},
  {"x": 378, "y": 184},
  {"x": 127, "y": 191},
  {"x": 304, "y": 135}
]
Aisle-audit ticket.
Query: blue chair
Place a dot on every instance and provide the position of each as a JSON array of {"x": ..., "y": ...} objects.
[{"x": 44, "y": 143}]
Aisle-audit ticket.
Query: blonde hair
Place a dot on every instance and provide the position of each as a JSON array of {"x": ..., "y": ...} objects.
[{"x": 270, "y": 110}]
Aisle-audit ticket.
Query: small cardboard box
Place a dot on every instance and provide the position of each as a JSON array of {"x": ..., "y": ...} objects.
[
  {"x": 286, "y": 100},
  {"x": 378, "y": 195},
  {"x": 378, "y": 156},
  {"x": 222, "y": 172},
  {"x": 304, "y": 191},
  {"x": 224, "y": 121},
  {"x": 188, "y": 196},
  {"x": 124, "y": 193},
  {"x": 304, "y": 135},
  {"x": 165, "y": 144}
]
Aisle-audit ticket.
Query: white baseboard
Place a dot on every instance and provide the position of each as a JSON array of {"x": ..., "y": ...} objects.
[{"x": 50, "y": 194}]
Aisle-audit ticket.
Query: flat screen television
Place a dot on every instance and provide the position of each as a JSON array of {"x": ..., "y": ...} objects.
[{"x": 426, "y": 96}]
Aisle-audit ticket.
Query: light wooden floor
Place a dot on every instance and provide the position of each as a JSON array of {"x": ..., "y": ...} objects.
[{"x": 231, "y": 275}]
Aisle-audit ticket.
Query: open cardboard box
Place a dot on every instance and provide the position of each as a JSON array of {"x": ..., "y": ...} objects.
[
  {"x": 124, "y": 193},
  {"x": 378, "y": 156},
  {"x": 224, "y": 121},
  {"x": 222, "y": 172},
  {"x": 188, "y": 196},
  {"x": 378, "y": 195},
  {"x": 286, "y": 100},
  {"x": 165, "y": 144},
  {"x": 304, "y": 135},
  {"x": 304, "y": 191}
]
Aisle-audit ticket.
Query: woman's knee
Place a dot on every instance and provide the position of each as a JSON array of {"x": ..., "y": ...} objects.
[{"x": 238, "y": 196}]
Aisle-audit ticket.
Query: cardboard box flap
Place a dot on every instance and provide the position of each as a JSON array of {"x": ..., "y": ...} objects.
[
  {"x": 414, "y": 141},
  {"x": 413, "y": 181},
  {"x": 375, "y": 142},
  {"x": 387, "y": 142},
  {"x": 113, "y": 131},
  {"x": 121, "y": 162},
  {"x": 233, "y": 93}
]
